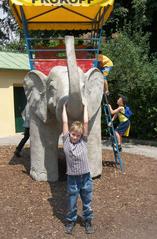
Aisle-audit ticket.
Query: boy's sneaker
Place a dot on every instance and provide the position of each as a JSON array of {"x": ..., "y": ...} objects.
[
  {"x": 69, "y": 227},
  {"x": 88, "y": 227},
  {"x": 110, "y": 124},
  {"x": 115, "y": 147},
  {"x": 120, "y": 147}
]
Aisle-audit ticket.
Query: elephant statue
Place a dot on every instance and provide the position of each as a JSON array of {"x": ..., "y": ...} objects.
[{"x": 46, "y": 96}]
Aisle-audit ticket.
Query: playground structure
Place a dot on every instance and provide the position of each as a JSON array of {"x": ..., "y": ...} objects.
[
  {"x": 60, "y": 74},
  {"x": 45, "y": 15}
]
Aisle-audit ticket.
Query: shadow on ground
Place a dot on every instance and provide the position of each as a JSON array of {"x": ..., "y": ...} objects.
[
  {"x": 58, "y": 201},
  {"x": 23, "y": 160}
]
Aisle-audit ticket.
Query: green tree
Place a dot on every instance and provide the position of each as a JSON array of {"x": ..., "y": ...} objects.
[
  {"x": 135, "y": 76},
  {"x": 11, "y": 37},
  {"x": 8, "y": 26},
  {"x": 135, "y": 71},
  {"x": 152, "y": 15}
]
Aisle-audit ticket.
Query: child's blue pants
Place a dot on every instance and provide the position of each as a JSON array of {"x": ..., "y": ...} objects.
[{"x": 79, "y": 185}]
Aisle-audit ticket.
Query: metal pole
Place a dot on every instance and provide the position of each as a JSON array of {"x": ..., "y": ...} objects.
[{"x": 27, "y": 37}]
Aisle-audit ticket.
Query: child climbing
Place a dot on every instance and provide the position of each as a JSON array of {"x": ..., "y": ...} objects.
[
  {"x": 123, "y": 113},
  {"x": 105, "y": 66}
]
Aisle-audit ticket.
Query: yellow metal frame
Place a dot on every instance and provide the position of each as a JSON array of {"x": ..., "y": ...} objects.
[{"x": 56, "y": 16}]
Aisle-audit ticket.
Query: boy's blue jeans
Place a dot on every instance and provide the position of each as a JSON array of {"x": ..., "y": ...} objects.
[{"x": 79, "y": 185}]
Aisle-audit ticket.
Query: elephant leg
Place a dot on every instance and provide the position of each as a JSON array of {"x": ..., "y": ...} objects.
[
  {"x": 94, "y": 145},
  {"x": 44, "y": 150}
]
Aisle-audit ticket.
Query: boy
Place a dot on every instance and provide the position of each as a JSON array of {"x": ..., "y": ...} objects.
[
  {"x": 105, "y": 65},
  {"x": 79, "y": 180},
  {"x": 124, "y": 126}
]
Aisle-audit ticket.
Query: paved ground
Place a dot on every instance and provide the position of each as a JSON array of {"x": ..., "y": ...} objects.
[
  {"x": 11, "y": 140},
  {"x": 146, "y": 150}
]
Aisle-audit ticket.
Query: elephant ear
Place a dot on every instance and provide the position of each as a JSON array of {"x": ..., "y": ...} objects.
[
  {"x": 35, "y": 90},
  {"x": 94, "y": 85}
]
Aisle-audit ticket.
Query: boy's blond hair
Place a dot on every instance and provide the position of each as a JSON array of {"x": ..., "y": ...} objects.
[{"x": 77, "y": 126}]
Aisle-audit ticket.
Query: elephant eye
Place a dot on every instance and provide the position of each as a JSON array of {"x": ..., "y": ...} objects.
[
  {"x": 42, "y": 92},
  {"x": 51, "y": 87}
]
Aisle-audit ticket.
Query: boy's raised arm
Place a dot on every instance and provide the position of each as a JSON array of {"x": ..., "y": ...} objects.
[
  {"x": 65, "y": 120},
  {"x": 85, "y": 121}
]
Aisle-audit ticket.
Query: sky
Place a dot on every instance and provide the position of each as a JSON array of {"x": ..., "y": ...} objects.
[
  {"x": 1, "y": 10},
  {"x": 12, "y": 35},
  {"x": 1, "y": 13}
]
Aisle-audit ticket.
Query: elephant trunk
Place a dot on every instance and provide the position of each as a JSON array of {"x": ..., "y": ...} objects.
[{"x": 74, "y": 104}]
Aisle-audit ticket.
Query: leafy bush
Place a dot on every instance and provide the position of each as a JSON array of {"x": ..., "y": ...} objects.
[{"x": 135, "y": 76}]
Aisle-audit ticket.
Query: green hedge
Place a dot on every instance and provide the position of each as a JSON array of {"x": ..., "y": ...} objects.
[{"x": 135, "y": 76}]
